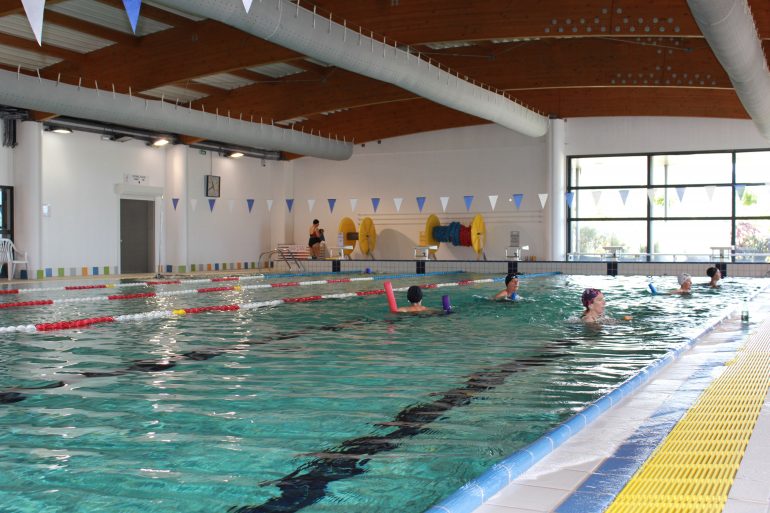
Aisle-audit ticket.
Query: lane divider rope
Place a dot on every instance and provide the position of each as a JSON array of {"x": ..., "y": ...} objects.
[
  {"x": 158, "y": 314},
  {"x": 171, "y": 293}
]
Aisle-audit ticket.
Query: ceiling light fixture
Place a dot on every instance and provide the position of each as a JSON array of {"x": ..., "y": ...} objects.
[
  {"x": 159, "y": 143},
  {"x": 235, "y": 154},
  {"x": 61, "y": 130}
]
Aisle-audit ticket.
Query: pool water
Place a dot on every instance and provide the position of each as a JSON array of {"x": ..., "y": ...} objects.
[{"x": 334, "y": 405}]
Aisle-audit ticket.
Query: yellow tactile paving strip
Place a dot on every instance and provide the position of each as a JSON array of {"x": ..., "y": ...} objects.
[{"x": 693, "y": 469}]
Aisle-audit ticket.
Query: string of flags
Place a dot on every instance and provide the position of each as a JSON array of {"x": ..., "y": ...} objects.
[{"x": 467, "y": 200}]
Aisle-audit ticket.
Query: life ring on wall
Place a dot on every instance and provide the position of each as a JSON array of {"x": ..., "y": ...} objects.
[{"x": 455, "y": 233}]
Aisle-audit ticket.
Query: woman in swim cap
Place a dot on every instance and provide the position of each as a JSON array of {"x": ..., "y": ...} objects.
[
  {"x": 511, "y": 288},
  {"x": 685, "y": 284},
  {"x": 593, "y": 301},
  {"x": 414, "y": 296}
]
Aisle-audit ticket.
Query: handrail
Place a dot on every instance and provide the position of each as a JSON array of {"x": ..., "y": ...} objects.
[{"x": 283, "y": 253}]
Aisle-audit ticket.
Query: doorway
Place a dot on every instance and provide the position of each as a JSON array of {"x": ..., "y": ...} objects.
[{"x": 137, "y": 236}]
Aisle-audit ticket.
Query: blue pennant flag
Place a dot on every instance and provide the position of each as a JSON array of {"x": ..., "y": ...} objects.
[
  {"x": 332, "y": 202},
  {"x": 175, "y": 202},
  {"x": 623, "y": 195},
  {"x": 289, "y": 203},
  {"x": 375, "y": 203},
  {"x": 250, "y": 204},
  {"x": 132, "y": 9},
  {"x": 517, "y": 199},
  {"x": 468, "y": 201},
  {"x": 212, "y": 201},
  {"x": 570, "y": 196},
  {"x": 420, "y": 202}
]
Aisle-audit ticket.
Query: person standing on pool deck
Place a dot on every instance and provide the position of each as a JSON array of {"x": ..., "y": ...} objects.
[
  {"x": 511, "y": 288},
  {"x": 314, "y": 242}
]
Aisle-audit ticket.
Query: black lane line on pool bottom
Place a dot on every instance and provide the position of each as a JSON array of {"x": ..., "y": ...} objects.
[
  {"x": 308, "y": 484},
  {"x": 14, "y": 395}
]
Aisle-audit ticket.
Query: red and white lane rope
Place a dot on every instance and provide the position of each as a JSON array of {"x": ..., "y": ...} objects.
[
  {"x": 160, "y": 314},
  {"x": 149, "y": 283},
  {"x": 171, "y": 293}
]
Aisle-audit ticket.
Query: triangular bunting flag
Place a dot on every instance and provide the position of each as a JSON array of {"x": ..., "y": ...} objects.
[
  {"x": 543, "y": 198},
  {"x": 34, "y": 10},
  {"x": 175, "y": 202},
  {"x": 250, "y": 204},
  {"x": 132, "y": 9},
  {"x": 740, "y": 189},
  {"x": 269, "y": 205},
  {"x": 193, "y": 204},
  {"x": 310, "y": 205},
  {"x": 493, "y": 202},
  {"x": 597, "y": 196},
  {"x": 444, "y": 202},
  {"x": 623, "y": 195},
  {"x": 468, "y": 201},
  {"x": 212, "y": 202},
  {"x": 375, "y": 203},
  {"x": 289, "y": 203},
  {"x": 420, "y": 202},
  {"x": 651, "y": 195},
  {"x": 517, "y": 199},
  {"x": 332, "y": 202},
  {"x": 247, "y": 5},
  {"x": 570, "y": 197},
  {"x": 230, "y": 205},
  {"x": 680, "y": 193},
  {"x": 397, "y": 202},
  {"x": 353, "y": 203},
  {"x": 710, "y": 191}
]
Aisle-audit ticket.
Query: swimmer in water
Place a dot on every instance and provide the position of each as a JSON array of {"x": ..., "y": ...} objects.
[
  {"x": 685, "y": 285},
  {"x": 414, "y": 296},
  {"x": 511, "y": 288},
  {"x": 593, "y": 301},
  {"x": 715, "y": 274}
]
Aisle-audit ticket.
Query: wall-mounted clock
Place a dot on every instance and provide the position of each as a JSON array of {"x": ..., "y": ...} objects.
[{"x": 212, "y": 186}]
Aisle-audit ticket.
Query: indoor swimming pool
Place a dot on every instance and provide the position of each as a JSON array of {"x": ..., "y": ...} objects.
[{"x": 321, "y": 405}]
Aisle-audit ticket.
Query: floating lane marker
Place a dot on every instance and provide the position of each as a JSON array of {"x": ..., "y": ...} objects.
[
  {"x": 171, "y": 293},
  {"x": 79, "y": 323}
]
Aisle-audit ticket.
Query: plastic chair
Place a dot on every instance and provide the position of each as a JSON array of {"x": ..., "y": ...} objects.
[{"x": 12, "y": 257}]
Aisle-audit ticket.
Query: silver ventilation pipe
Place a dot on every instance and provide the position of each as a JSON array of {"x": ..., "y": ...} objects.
[
  {"x": 35, "y": 93},
  {"x": 732, "y": 35},
  {"x": 289, "y": 25}
]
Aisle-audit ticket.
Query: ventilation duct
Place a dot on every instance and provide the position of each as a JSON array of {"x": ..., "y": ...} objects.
[
  {"x": 45, "y": 95},
  {"x": 729, "y": 29},
  {"x": 289, "y": 25}
]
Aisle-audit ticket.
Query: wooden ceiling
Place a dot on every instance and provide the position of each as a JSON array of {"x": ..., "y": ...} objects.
[{"x": 564, "y": 58}]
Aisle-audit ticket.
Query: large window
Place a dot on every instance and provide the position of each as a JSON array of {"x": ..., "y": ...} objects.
[{"x": 665, "y": 207}]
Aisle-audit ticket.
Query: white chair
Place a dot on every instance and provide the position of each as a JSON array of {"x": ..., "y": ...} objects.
[{"x": 12, "y": 257}]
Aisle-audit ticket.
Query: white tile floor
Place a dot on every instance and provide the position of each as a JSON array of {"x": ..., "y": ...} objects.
[{"x": 549, "y": 482}]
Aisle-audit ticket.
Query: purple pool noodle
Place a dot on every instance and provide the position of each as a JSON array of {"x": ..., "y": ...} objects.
[{"x": 445, "y": 303}]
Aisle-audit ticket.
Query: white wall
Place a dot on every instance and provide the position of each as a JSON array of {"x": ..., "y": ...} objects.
[
  {"x": 6, "y": 166},
  {"x": 478, "y": 161}
]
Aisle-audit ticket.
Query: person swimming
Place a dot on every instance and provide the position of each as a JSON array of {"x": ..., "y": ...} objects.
[
  {"x": 685, "y": 284},
  {"x": 593, "y": 301},
  {"x": 715, "y": 274},
  {"x": 511, "y": 288},
  {"x": 414, "y": 296}
]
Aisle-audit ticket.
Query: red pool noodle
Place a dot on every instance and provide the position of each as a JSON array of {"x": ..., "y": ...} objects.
[{"x": 391, "y": 298}]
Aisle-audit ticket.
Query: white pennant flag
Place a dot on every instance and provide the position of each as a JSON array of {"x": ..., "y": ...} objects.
[
  {"x": 247, "y": 5},
  {"x": 397, "y": 202},
  {"x": 651, "y": 195},
  {"x": 193, "y": 204},
  {"x": 269, "y": 205},
  {"x": 543, "y": 198},
  {"x": 710, "y": 191},
  {"x": 34, "y": 10},
  {"x": 597, "y": 196},
  {"x": 353, "y": 203},
  {"x": 231, "y": 205},
  {"x": 310, "y": 205},
  {"x": 493, "y": 202},
  {"x": 444, "y": 201},
  {"x": 740, "y": 189}
]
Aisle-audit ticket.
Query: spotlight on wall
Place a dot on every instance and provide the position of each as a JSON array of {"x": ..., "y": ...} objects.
[
  {"x": 235, "y": 154},
  {"x": 160, "y": 142}
]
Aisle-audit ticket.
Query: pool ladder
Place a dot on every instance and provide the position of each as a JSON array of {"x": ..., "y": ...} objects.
[{"x": 285, "y": 254}]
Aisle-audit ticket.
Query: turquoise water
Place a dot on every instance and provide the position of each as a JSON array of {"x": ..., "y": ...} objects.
[{"x": 313, "y": 407}]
